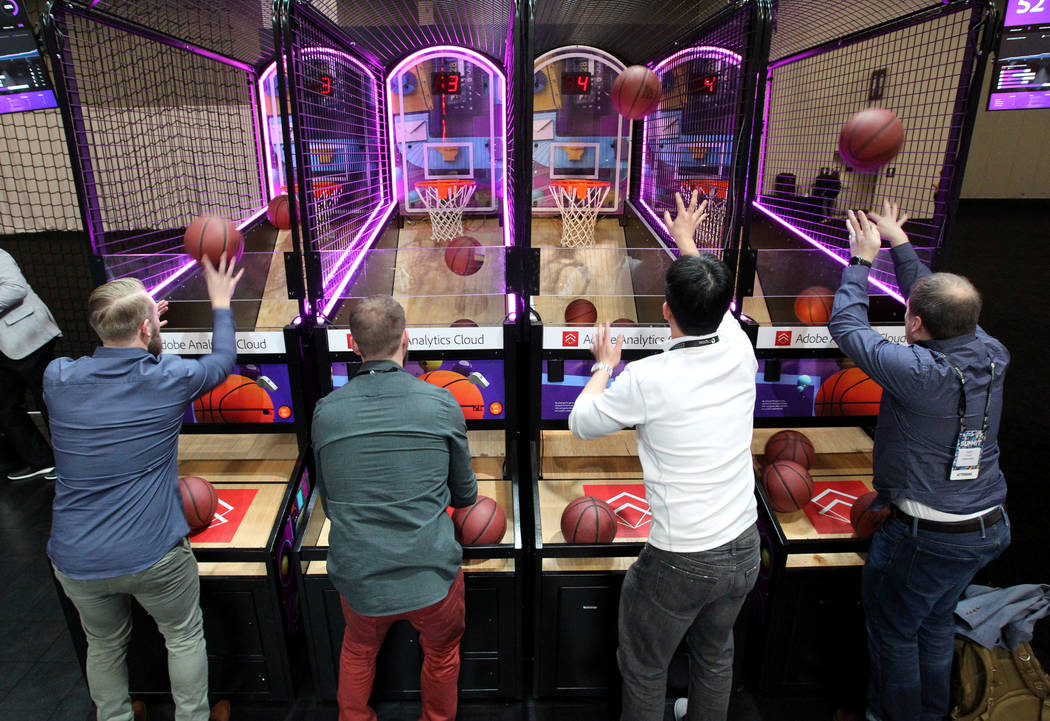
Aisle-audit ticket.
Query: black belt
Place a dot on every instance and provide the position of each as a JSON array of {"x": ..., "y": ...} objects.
[{"x": 968, "y": 526}]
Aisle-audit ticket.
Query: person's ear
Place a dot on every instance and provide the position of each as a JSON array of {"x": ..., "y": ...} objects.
[
  {"x": 667, "y": 312},
  {"x": 353, "y": 346},
  {"x": 146, "y": 329}
]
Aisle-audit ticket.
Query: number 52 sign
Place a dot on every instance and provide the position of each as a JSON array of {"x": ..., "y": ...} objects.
[{"x": 1026, "y": 12}]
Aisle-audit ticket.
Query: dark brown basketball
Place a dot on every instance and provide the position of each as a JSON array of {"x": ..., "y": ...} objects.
[
  {"x": 482, "y": 524},
  {"x": 623, "y": 323},
  {"x": 588, "y": 520},
  {"x": 871, "y": 138},
  {"x": 788, "y": 486},
  {"x": 198, "y": 502},
  {"x": 210, "y": 235},
  {"x": 463, "y": 257},
  {"x": 866, "y": 521},
  {"x": 581, "y": 312},
  {"x": 463, "y": 323},
  {"x": 790, "y": 446},
  {"x": 813, "y": 305},
  {"x": 848, "y": 392},
  {"x": 636, "y": 92},
  {"x": 277, "y": 213}
]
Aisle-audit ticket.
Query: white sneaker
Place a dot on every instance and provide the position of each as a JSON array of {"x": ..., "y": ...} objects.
[{"x": 680, "y": 706}]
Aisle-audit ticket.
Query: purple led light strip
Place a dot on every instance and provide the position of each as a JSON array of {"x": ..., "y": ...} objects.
[
  {"x": 892, "y": 292},
  {"x": 189, "y": 264},
  {"x": 369, "y": 237},
  {"x": 703, "y": 51}
]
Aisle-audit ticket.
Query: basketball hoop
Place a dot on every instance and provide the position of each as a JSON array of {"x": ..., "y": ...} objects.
[
  {"x": 578, "y": 201},
  {"x": 715, "y": 191},
  {"x": 445, "y": 200}
]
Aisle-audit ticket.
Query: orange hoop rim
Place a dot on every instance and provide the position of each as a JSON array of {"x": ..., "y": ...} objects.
[
  {"x": 445, "y": 186},
  {"x": 721, "y": 186}
]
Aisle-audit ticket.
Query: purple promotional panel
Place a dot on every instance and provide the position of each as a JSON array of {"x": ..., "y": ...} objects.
[
  {"x": 477, "y": 384},
  {"x": 557, "y": 397},
  {"x": 1026, "y": 12},
  {"x": 252, "y": 393}
]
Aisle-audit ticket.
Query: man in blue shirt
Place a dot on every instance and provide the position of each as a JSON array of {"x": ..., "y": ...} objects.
[
  {"x": 118, "y": 529},
  {"x": 936, "y": 462}
]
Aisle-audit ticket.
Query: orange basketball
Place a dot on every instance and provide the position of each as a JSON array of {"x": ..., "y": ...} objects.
[
  {"x": 636, "y": 92},
  {"x": 210, "y": 235},
  {"x": 481, "y": 524},
  {"x": 198, "y": 502},
  {"x": 463, "y": 257},
  {"x": 277, "y": 213},
  {"x": 623, "y": 323},
  {"x": 788, "y": 486},
  {"x": 581, "y": 312},
  {"x": 463, "y": 323},
  {"x": 588, "y": 520},
  {"x": 848, "y": 392},
  {"x": 467, "y": 394},
  {"x": 866, "y": 521},
  {"x": 871, "y": 138},
  {"x": 813, "y": 305},
  {"x": 790, "y": 446},
  {"x": 236, "y": 400}
]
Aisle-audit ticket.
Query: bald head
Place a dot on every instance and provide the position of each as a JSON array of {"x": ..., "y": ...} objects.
[{"x": 948, "y": 304}]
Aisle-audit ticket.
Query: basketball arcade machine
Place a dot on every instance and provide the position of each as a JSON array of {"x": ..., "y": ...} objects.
[
  {"x": 436, "y": 125},
  {"x": 925, "y": 64},
  {"x": 150, "y": 151},
  {"x": 587, "y": 157}
]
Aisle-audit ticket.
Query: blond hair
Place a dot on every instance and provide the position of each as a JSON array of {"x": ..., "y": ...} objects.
[{"x": 116, "y": 309}]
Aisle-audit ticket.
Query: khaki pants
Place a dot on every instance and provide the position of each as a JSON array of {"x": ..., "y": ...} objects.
[{"x": 169, "y": 590}]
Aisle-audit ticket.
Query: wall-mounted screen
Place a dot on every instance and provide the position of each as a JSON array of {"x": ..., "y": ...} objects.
[
  {"x": 1021, "y": 79},
  {"x": 24, "y": 84}
]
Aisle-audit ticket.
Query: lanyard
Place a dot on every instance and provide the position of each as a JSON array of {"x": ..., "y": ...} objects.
[
  {"x": 694, "y": 343},
  {"x": 962, "y": 392}
]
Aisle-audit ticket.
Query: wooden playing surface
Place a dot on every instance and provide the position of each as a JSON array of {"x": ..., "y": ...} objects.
[
  {"x": 754, "y": 306},
  {"x": 601, "y": 274},
  {"x": 275, "y": 309},
  {"x": 431, "y": 293},
  {"x": 238, "y": 446},
  {"x": 231, "y": 569},
  {"x": 255, "y": 528},
  {"x": 611, "y": 457}
]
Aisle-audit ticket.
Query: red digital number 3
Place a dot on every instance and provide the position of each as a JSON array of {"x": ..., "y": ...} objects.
[
  {"x": 452, "y": 84},
  {"x": 326, "y": 85}
]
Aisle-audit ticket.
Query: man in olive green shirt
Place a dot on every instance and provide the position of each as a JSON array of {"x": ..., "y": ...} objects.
[{"x": 392, "y": 455}]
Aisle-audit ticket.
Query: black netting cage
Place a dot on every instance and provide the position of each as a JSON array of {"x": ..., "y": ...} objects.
[
  {"x": 163, "y": 122},
  {"x": 831, "y": 60}
]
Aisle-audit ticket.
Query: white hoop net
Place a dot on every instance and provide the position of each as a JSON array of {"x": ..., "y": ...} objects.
[
  {"x": 578, "y": 214},
  {"x": 444, "y": 203}
]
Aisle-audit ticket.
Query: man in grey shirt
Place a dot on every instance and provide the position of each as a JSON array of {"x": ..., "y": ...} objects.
[{"x": 392, "y": 455}]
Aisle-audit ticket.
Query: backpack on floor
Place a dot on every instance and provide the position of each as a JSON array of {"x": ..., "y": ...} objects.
[{"x": 994, "y": 684}]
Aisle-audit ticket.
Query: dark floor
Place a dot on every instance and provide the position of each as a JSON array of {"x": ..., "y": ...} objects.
[{"x": 1000, "y": 245}]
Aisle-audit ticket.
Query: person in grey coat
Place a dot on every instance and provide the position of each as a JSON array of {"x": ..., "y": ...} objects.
[{"x": 28, "y": 334}]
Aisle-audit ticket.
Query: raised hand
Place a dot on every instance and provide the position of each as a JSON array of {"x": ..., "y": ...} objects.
[
  {"x": 222, "y": 281},
  {"x": 890, "y": 222},
  {"x": 686, "y": 221},
  {"x": 864, "y": 240},
  {"x": 603, "y": 350}
]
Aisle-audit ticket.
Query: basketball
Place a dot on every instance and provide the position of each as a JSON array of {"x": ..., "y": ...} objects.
[
  {"x": 865, "y": 521},
  {"x": 468, "y": 395},
  {"x": 588, "y": 520},
  {"x": 790, "y": 446},
  {"x": 788, "y": 486},
  {"x": 198, "y": 502},
  {"x": 463, "y": 323},
  {"x": 871, "y": 138},
  {"x": 849, "y": 392},
  {"x": 813, "y": 305},
  {"x": 237, "y": 399},
  {"x": 581, "y": 312},
  {"x": 636, "y": 92},
  {"x": 463, "y": 257},
  {"x": 277, "y": 213},
  {"x": 210, "y": 235},
  {"x": 481, "y": 524},
  {"x": 623, "y": 323}
]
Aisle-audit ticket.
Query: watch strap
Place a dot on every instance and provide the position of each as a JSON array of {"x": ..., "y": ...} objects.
[{"x": 857, "y": 260}]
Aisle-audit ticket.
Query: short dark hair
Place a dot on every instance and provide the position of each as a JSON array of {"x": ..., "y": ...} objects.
[
  {"x": 698, "y": 289},
  {"x": 948, "y": 304},
  {"x": 377, "y": 325}
]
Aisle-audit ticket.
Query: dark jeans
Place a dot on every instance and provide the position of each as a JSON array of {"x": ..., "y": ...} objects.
[
  {"x": 912, "y": 581},
  {"x": 670, "y": 596},
  {"x": 17, "y": 376}
]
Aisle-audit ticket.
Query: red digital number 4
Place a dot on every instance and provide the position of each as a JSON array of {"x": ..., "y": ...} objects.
[{"x": 583, "y": 81}]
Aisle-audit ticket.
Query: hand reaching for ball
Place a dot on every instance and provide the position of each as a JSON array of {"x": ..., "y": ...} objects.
[
  {"x": 221, "y": 281},
  {"x": 890, "y": 223},
  {"x": 864, "y": 238},
  {"x": 686, "y": 221}
]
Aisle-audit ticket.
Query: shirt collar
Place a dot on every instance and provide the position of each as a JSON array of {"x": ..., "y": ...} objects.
[
  {"x": 949, "y": 344},
  {"x": 667, "y": 344},
  {"x": 130, "y": 352},
  {"x": 379, "y": 366}
]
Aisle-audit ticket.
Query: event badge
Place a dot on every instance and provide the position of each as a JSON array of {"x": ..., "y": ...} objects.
[{"x": 966, "y": 465}]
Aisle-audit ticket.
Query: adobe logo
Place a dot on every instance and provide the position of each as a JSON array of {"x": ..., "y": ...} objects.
[
  {"x": 783, "y": 337},
  {"x": 570, "y": 338}
]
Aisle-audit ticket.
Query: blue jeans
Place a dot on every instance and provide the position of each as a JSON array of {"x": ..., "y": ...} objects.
[
  {"x": 670, "y": 596},
  {"x": 912, "y": 581}
]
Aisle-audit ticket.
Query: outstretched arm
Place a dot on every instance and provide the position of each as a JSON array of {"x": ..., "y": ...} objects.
[{"x": 686, "y": 221}]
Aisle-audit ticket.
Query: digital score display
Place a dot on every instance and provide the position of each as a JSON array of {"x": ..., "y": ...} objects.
[
  {"x": 703, "y": 84},
  {"x": 575, "y": 83},
  {"x": 1022, "y": 65},
  {"x": 445, "y": 83}
]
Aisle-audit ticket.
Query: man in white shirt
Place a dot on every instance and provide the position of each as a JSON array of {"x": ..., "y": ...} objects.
[{"x": 693, "y": 408}]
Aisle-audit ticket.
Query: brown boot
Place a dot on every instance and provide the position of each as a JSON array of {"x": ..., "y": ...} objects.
[
  {"x": 221, "y": 711},
  {"x": 139, "y": 709}
]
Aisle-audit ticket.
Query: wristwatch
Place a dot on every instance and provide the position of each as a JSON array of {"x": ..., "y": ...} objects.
[
  {"x": 602, "y": 366},
  {"x": 857, "y": 260}
]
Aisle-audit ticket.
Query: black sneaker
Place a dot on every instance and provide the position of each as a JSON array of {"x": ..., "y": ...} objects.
[{"x": 26, "y": 473}]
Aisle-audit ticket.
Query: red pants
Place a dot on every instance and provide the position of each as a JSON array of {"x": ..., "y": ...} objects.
[{"x": 440, "y": 628}]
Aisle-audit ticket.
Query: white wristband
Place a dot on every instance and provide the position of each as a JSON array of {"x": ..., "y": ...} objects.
[{"x": 602, "y": 366}]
